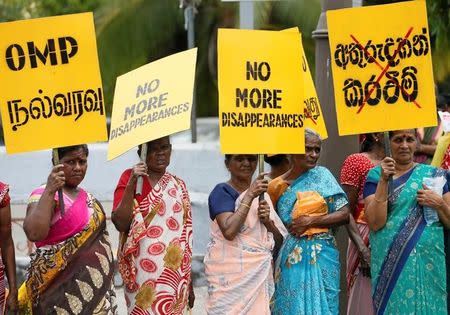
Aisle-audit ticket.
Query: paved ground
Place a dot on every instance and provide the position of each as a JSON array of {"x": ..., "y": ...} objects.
[{"x": 199, "y": 306}]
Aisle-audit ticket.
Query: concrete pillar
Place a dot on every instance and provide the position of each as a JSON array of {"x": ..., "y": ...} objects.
[
  {"x": 335, "y": 149},
  {"x": 246, "y": 15}
]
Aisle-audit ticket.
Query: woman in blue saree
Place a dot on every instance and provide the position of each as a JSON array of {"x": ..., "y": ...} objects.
[
  {"x": 408, "y": 259},
  {"x": 309, "y": 201}
]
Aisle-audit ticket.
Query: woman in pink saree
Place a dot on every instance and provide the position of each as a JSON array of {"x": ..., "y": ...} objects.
[
  {"x": 155, "y": 248},
  {"x": 72, "y": 267},
  {"x": 245, "y": 233}
]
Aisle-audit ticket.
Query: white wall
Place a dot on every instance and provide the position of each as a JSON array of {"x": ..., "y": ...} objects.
[{"x": 200, "y": 165}]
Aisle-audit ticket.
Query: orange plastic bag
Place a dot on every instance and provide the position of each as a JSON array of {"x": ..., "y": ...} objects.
[{"x": 310, "y": 203}]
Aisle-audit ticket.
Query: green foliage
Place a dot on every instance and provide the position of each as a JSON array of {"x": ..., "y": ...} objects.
[
  {"x": 11, "y": 10},
  {"x": 131, "y": 33},
  {"x": 57, "y": 7}
]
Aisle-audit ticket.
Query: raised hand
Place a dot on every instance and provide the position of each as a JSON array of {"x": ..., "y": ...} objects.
[{"x": 56, "y": 179}]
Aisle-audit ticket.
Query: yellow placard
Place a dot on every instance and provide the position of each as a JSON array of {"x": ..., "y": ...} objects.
[
  {"x": 311, "y": 106},
  {"x": 382, "y": 69},
  {"x": 152, "y": 101},
  {"x": 259, "y": 92},
  {"x": 51, "y": 93}
]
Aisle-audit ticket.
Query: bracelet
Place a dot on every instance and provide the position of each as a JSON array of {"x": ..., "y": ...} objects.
[
  {"x": 244, "y": 204},
  {"x": 378, "y": 200}
]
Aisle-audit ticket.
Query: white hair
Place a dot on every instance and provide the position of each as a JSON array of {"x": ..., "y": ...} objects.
[{"x": 309, "y": 133}]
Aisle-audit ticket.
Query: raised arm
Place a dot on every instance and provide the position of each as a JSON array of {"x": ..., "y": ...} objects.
[
  {"x": 230, "y": 222},
  {"x": 352, "y": 228},
  {"x": 376, "y": 204},
  {"x": 123, "y": 214},
  {"x": 264, "y": 216},
  {"x": 39, "y": 214}
]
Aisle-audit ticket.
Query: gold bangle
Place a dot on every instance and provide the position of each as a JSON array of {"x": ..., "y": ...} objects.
[
  {"x": 245, "y": 205},
  {"x": 378, "y": 200}
]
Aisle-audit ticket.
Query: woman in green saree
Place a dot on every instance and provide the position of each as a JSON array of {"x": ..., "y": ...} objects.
[{"x": 408, "y": 259}]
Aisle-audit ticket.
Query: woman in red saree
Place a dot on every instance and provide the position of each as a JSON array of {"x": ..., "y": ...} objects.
[
  {"x": 155, "y": 250},
  {"x": 7, "y": 260},
  {"x": 353, "y": 176}
]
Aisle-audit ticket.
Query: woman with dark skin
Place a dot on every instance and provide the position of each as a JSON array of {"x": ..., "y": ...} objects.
[
  {"x": 155, "y": 249},
  {"x": 66, "y": 275},
  {"x": 407, "y": 252},
  {"x": 7, "y": 251},
  {"x": 310, "y": 202},
  {"x": 245, "y": 232},
  {"x": 353, "y": 176},
  {"x": 279, "y": 164}
]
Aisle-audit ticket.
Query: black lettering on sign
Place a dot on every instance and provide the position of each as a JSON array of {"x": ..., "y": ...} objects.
[
  {"x": 35, "y": 53},
  {"x": 406, "y": 85},
  {"x": 62, "y": 104},
  {"x": 258, "y": 72},
  {"x": 262, "y": 120},
  {"x": 257, "y": 98},
  {"x": 358, "y": 54},
  {"x": 16, "y": 57},
  {"x": 19, "y": 56}
]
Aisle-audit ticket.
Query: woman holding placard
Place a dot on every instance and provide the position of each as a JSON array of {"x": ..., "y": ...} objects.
[
  {"x": 155, "y": 250},
  {"x": 7, "y": 258},
  {"x": 245, "y": 234},
  {"x": 72, "y": 268},
  {"x": 406, "y": 238},
  {"x": 310, "y": 202},
  {"x": 353, "y": 176}
]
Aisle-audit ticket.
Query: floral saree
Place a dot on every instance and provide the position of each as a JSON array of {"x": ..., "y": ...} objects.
[
  {"x": 408, "y": 260},
  {"x": 73, "y": 276},
  {"x": 307, "y": 268},
  {"x": 155, "y": 257},
  {"x": 240, "y": 272}
]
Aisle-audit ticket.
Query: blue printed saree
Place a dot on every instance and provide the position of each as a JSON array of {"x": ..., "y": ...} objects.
[
  {"x": 408, "y": 260},
  {"x": 307, "y": 268}
]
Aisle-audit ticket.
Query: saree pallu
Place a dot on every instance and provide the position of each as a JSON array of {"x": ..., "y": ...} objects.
[
  {"x": 2, "y": 286},
  {"x": 75, "y": 276},
  {"x": 3, "y": 194},
  {"x": 359, "y": 287},
  {"x": 155, "y": 258},
  {"x": 240, "y": 272},
  {"x": 307, "y": 268},
  {"x": 408, "y": 260}
]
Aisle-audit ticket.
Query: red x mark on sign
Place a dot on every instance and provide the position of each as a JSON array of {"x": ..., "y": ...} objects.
[{"x": 385, "y": 69}]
